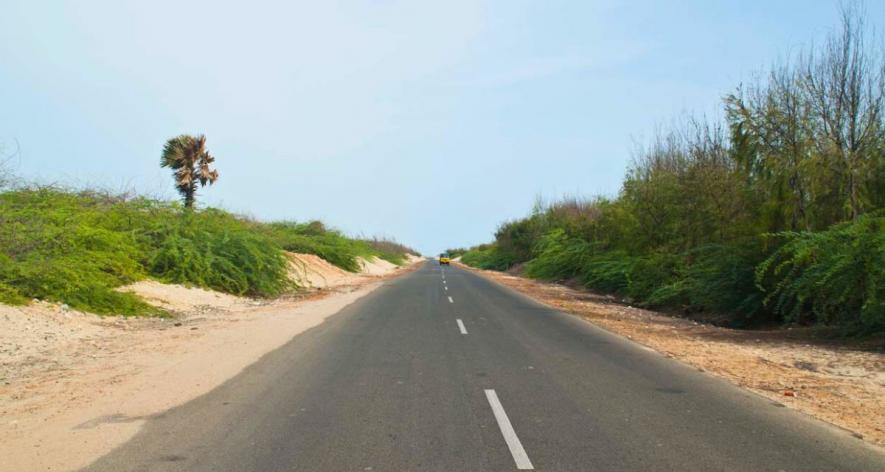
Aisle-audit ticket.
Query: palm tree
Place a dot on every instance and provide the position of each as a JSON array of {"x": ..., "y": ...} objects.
[{"x": 188, "y": 158}]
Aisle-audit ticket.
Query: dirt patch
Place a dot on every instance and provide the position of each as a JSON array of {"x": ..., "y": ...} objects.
[
  {"x": 75, "y": 385},
  {"x": 839, "y": 383}
]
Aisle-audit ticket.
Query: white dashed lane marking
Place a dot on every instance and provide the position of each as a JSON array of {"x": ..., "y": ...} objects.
[{"x": 516, "y": 449}]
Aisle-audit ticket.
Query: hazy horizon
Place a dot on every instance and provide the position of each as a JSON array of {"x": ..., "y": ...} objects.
[{"x": 429, "y": 123}]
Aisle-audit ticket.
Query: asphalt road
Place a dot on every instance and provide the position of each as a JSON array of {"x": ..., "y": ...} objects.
[{"x": 393, "y": 383}]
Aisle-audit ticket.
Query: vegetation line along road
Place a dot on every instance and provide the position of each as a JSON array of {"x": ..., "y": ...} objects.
[
  {"x": 772, "y": 216},
  {"x": 77, "y": 246}
]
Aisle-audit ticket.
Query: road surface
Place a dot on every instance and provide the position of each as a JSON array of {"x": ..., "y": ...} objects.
[{"x": 443, "y": 370}]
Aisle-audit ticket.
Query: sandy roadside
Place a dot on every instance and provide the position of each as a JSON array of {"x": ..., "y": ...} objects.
[
  {"x": 73, "y": 385},
  {"x": 843, "y": 385}
]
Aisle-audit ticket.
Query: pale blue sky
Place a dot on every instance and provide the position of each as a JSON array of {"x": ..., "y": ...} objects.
[{"x": 427, "y": 121}]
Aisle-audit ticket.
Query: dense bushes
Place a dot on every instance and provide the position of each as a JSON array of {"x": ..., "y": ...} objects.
[
  {"x": 216, "y": 250},
  {"x": 71, "y": 248},
  {"x": 77, "y": 247},
  {"x": 713, "y": 277},
  {"x": 487, "y": 257},
  {"x": 315, "y": 238},
  {"x": 835, "y": 276},
  {"x": 772, "y": 216},
  {"x": 456, "y": 252}
]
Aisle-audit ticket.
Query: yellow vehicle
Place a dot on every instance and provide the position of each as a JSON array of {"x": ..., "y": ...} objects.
[{"x": 444, "y": 259}]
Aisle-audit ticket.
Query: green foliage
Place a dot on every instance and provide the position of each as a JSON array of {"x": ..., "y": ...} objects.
[
  {"x": 315, "y": 238},
  {"x": 394, "y": 258},
  {"x": 391, "y": 251},
  {"x": 559, "y": 256},
  {"x": 79, "y": 247},
  {"x": 515, "y": 241},
  {"x": 487, "y": 256},
  {"x": 10, "y": 296},
  {"x": 331, "y": 245},
  {"x": 835, "y": 276},
  {"x": 63, "y": 247},
  {"x": 722, "y": 279},
  {"x": 654, "y": 280},
  {"x": 609, "y": 272},
  {"x": 773, "y": 215},
  {"x": 456, "y": 252},
  {"x": 216, "y": 250}
]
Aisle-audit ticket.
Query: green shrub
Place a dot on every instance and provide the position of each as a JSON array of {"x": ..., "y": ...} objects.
[
  {"x": 559, "y": 257},
  {"x": 515, "y": 241},
  {"x": 835, "y": 276},
  {"x": 609, "y": 272},
  {"x": 832, "y": 277},
  {"x": 718, "y": 278},
  {"x": 214, "y": 250},
  {"x": 487, "y": 257},
  {"x": 654, "y": 280},
  {"x": 315, "y": 238},
  {"x": 390, "y": 251},
  {"x": 79, "y": 247},
  {"x": 688, "y": 226},
  {"x": 721, "y": 279},
  {"x": 10, "y": 296},
  {"x": 456, "y": 252},
  {"x": 57, "y": 246}
]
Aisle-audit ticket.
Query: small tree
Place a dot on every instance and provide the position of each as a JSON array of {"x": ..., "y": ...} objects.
[{"x": 190, "y": 162}]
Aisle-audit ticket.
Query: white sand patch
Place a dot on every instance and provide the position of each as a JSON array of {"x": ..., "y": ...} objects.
[
  {"x": 413, "y": 259},
  {"x": 39, "y": 337},
  {"x": 311, "y": 271},
  {"x": 179, "y": 298},
  {"x": 375, "y": 266}
]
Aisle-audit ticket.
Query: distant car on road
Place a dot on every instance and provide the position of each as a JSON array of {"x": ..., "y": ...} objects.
[{"x": 444, "y": 259}]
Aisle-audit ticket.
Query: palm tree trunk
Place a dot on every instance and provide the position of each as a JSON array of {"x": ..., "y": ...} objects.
[{"x": 189, "y": 197}]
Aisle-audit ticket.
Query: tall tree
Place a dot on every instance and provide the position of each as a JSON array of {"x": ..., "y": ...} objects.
[
  {"x": 191, "y": 163},
  {"x": 845, "y": 85},
  {"x": 772, "y": 141}
]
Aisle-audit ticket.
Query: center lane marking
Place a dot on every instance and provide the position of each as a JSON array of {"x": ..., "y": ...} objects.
[
  {"x": 450, "y": 300},
  {"x": 516, "y": 450},
  {"x": 461, "y": 326}
]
